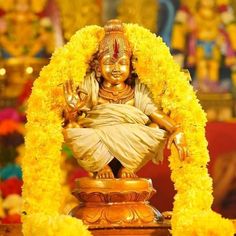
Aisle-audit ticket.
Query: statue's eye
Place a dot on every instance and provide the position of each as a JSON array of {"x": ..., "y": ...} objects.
[
  {"x": 124, "y": 62},
  {"x": 108, "y": 62}
]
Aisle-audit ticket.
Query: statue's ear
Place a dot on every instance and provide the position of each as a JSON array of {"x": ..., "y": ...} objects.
[
  {"x": 134, "y": 60},
  {"x": 98, "y": 72},
  {"x": 98, "y": 68}
]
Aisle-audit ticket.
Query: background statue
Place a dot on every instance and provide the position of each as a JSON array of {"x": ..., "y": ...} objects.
[
  {"x": 26, "y": 43},
  {"x": 205, "y": 33},
  {"x": 112, "y": 117},
  {"x": 24, "y": 33}
]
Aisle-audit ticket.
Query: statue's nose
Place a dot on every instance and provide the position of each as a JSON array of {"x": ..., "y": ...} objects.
[{"x": 116, "y": 67}]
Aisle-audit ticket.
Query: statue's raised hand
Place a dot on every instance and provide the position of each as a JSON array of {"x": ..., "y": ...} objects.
[{"x": 75, "y": 98}]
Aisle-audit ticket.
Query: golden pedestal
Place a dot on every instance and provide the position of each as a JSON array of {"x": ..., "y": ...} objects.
[{"x": 118, "y": 205}]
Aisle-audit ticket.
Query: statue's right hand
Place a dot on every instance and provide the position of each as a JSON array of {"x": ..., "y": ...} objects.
[{"x": 75, "y": 98}]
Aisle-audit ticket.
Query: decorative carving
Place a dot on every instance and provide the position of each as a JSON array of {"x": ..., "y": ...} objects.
[{"x": 115, "y": 203}]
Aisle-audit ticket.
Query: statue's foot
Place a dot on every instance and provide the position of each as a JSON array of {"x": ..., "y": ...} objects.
[
  {"x": 167, "y": 215},
  {"x": 105, "y": 173},
  {"x": 125, "y": 173}
]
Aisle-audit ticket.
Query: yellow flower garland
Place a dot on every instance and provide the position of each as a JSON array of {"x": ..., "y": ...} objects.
[{"x": 171, "y": 91}]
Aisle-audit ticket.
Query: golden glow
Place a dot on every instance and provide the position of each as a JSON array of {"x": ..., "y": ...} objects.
[
  {"x": 29, "y": 70},
  {"x": 2, "y": 71}
]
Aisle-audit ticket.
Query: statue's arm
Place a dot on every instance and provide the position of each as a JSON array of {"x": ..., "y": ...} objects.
[
  {"x": 164, "y": 121},
  {"x": 176, "y": 134}
]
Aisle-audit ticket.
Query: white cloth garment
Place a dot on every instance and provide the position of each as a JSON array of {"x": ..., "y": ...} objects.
[{"x": 116, "y": 131}]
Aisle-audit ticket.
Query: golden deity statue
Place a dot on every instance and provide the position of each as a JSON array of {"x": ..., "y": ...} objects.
[
  {"x": 114, "y": 128},
  {"x": 204, "y": 33},
  {"x": 26, "y": 42},
  {"x": 111, "y": 117}
]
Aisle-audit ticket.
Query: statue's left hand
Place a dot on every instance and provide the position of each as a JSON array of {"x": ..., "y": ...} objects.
[{"x": 178, "y": 139}]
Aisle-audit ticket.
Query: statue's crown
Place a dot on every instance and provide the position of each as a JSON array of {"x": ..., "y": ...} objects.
[{"x": 114, "y": 42}]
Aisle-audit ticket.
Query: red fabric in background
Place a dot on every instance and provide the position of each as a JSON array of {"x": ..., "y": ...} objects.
[{"x": 221, "y": 138}]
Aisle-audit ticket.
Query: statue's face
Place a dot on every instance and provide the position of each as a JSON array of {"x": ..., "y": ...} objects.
[{"x": 115, "y": 71}]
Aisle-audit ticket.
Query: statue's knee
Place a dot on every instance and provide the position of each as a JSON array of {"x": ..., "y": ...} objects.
[{"x": 153, "y": 125}]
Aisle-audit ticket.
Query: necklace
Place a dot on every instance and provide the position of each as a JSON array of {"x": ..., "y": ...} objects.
[{"x": 116, "y": 96}]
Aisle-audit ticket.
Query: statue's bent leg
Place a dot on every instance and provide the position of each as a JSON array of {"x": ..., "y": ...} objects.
[{"x": 154, "y": 125}]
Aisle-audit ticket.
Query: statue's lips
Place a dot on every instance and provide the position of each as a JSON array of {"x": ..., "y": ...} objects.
[{"x": 116, "y": 75}]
